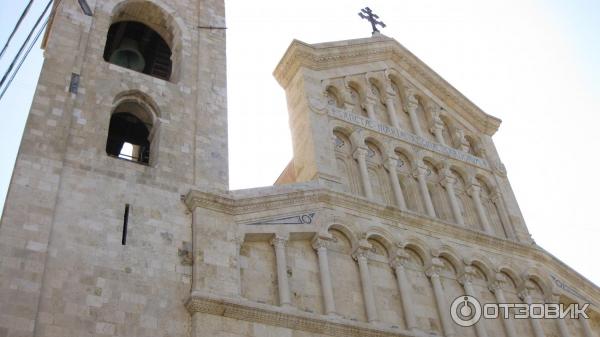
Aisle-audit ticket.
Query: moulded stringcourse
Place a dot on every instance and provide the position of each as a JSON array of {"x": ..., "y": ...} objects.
[{"x": 291, "y": 318}]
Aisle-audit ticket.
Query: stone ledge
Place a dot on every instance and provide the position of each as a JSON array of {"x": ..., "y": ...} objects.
[
  {"x": 314, "y": 195},
  {"x": 241, "y": 203},
  {"x": 290, "y": 318}
]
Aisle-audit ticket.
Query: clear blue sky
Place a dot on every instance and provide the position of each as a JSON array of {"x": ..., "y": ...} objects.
[{"x": 533, "y": 63}]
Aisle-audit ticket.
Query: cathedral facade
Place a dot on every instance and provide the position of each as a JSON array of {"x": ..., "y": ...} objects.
[{"x": 119, "y": 220}]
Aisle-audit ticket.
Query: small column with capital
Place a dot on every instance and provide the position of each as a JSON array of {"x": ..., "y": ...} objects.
[
  {"x": 279, "y": 242},
  {"x": 438, "y": 131},
  {"x": 319, "y": 243},
  {"x": 502, "y": 212},
  {"x": 360, "y": 255},
  {"x": 561, "y": 324},
  {"x": 360, "y": 156},
  {"x": 497, "y": 287},
  {"x": 397, "y": 263},
  {"x": 467, "y": 281},
  {"x": 437, "y": 125},
  {"x": 538, "y": 331},
  {"x": 413, "y": 106},
  {"x": 433, "y": 272},
  {"x": 587, "y": 330},
  {"x": 463, "y": 144},
  {"x": 420, "y": 175},
  {"x": 390, "y": 165},
  {"x": 391, "y": 108},
  {"x": 475, "y": 193},
  {"x": 448, "y": 182},
  {"x": 370, "y": 107}
]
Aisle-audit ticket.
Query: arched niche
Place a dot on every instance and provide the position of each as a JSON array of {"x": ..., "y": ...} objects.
[
  {"x": 407, "y": 181},
  {"x": 334, "y": 97},
  {"x": 346, "y": 165},
  {"x": 358, "y": 97},
  {"x": 377, "y": 92},
  {"x": 377, "y": 176},
  {"x": 344, "y": 271}
]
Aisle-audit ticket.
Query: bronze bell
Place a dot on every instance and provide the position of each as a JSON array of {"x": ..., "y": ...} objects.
[{"x": 128, "y": 55}]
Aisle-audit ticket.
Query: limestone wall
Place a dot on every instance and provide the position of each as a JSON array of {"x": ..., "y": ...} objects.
[{"x": 63, "y": 269}]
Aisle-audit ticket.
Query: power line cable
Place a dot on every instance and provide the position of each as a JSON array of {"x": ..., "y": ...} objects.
[
  {"x": 14, "y": 61},
  {"x": 39, "y": 33},
  {"x": 12, "y": 34}
]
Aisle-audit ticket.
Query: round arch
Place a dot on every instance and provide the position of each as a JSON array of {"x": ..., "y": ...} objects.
[
  {"x": 131, "y": 16},
  {"x": 383, "y": 237},
  {"x": 346, "y": 231}
]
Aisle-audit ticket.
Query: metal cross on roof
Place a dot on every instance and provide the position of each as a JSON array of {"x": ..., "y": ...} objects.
[{"x": 367, "y": 13}]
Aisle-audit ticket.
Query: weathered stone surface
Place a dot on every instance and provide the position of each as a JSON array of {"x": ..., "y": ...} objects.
[{"x": 395, "y": 203}]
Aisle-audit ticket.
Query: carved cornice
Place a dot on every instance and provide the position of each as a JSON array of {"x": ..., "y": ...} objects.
[
  {"x": 382, "y": 48},
  {"x": 229, "y": 204},
  {"x": 290, "y": 318},
  {"x": 315, "y": 198}
]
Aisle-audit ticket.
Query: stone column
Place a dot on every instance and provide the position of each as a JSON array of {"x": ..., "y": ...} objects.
[
  {"x": 438, "y": 131},
  {"x": 561, "y": 323},
  {"x": 239, "y": 241},
  {"x": 538, "y": 331},
  {"x": 433, "y": 272},
  {"x": 504, "y": 219},
  {"x": 467, "y": 282},
  {"x": 319, "y": 243},
  {"x": 587, "y": 330},
  {"x": 360, "y": 156},
  {"x": 413, "y": 106},
  {"x": 397, "y": 263},
  {"x": 448, "y": 182},
  {"x": 497, "y": 287},
  {"x": 459, "y": 136},
  {"x": 391, "y": 109},
  {"x": 280, "y": 242},
  {"x": 390, "y": 165},
  {"x": 370, "y": 107},
  {"x": 475, "y": 193},
  {"x": 197, "y": 251},
  {"x": 360, "y": 255},
  {"x": 420, "y": 175}
]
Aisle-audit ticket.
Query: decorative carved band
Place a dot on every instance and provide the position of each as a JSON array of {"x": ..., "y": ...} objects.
[
  {"x": 292, "y": 319},
  {"x": 405, "y": 136},
  {"x": 303, "y": 219}
]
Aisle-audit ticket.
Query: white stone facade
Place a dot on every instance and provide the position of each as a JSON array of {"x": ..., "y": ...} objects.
[{"x": 396, "y": 201}]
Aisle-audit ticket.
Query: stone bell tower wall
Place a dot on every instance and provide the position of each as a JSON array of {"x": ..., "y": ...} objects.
[{"x": 64, "y": 270}]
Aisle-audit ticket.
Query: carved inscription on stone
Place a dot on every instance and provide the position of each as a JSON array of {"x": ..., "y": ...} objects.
[
  {"x": 303, "y": 219},
  {"x": 404, "y": 136}
]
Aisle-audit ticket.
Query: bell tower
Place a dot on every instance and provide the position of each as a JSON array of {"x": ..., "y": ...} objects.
[{"x": 130, "y": 113}]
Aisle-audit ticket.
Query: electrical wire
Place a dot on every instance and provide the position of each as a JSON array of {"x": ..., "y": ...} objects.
[
  {"x": 15, "y": 59},
  {"x": 23, "y": 46},
  {"x": 39, "y": 33},
  {"x": 12, "y": 34}
]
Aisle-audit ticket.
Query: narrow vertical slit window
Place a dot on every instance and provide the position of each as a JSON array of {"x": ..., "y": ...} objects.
[{"x": 125, "y": 220}]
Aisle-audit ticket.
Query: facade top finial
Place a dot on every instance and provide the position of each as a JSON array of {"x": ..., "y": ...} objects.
[{"x": 367, "y": 13}]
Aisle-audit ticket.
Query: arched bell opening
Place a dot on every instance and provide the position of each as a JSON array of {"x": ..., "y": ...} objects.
[
  {"x": 132, "y": 132},
  {"x": 136, "y": 46}
]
